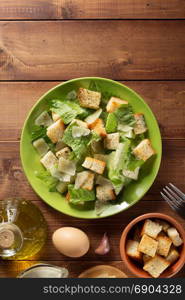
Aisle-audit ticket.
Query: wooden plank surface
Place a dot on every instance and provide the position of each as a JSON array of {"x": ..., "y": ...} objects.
[
  {"x": 88, "y": 9},
  {"x": 74, "y": 267},
  {"x": 115, "y": 49},
  {"x": 161, "y": 96}
]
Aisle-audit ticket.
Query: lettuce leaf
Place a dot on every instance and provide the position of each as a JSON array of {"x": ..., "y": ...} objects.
[
  {"x": 80, "y": 195},
  {"x": 80, "y": 144},
  {"x": 67, "y": 110},
  {"x": 38, "y": 132},
  {"x": 124, "y": 115},
  {"x": 47, "y": 179},
  {"x": 118, "y": 161}
]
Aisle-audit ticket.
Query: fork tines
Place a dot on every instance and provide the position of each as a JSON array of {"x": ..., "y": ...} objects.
[{"x": 174, "y": 197}]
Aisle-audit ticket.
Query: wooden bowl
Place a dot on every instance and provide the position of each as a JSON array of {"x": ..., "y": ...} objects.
[
  {"x": 133, "y": 266},
  {"x": 102, "y": 271}
]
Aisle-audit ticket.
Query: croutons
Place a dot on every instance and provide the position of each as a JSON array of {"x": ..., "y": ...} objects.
[
  {"x": 111, "y": 141},
  {"x": 114, "y": 103},
  {"x": 95, "y": 165},
  {"x": 89, "y": 99},
  {"x": 148, "y": 245},
  {"x": 164, "y": 244},
  {"x": 140, "y": 126},
  {"x": 164, "y": 224},
  {"x": 172, "y": 256},
  {"x": 174, "y": 236},
  {"x": 144, "y": 150},
  {"x": 105, "y": 193},
  {"x": 151, "y": 228},
  {"x": 55, "y": 131},
  {"x": 146, "y": 258},
  {"x": 156, "y": 265},
  {"x": 55, "y": 116},
  {"x": 98, "y": 127},
  {"x": 84, "y": 180},
  {"x": 41, "y": 146},
  {"x": 67, "y": 166},
  {"x": 49, "y": 160},
  {"x": 132, "y": 250},
  {"x": 65, "y": 153}
]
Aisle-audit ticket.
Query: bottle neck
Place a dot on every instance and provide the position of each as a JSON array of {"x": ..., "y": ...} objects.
[{"x": 11, "y": 239}]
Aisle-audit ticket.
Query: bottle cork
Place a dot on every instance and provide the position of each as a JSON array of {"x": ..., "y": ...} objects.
[{"x": 7, "y": 238}]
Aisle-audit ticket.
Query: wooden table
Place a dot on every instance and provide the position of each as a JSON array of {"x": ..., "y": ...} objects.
[{"x": 140, "y": 43}]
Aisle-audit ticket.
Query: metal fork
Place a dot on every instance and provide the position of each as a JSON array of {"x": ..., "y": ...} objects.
[{"x": 175, "y": 198}]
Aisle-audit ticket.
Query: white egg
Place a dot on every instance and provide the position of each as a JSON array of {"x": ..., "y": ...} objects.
[{"x": 71, "y": 241}]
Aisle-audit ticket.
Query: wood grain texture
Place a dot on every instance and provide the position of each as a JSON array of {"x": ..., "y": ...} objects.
[
  {"x": 19, "y": 97},
  {"x": 13, "y": 183},
  {"x": 75, "y": 268},
  {"x": 88, "y": 9},
  {"x": 115, "y": 49}
]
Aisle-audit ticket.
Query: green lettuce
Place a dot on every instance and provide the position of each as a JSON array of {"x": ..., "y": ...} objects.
[
  {"x": 80, "y": 195},
  {"x": 67, "y": 110},
  {"x": 124, "y": 115},
  {"x": 79, "y": 145},
  {"x": 38, "y": 132},
  {"x": 117, "y": 162},
  {"x": 47, "y": 179}
]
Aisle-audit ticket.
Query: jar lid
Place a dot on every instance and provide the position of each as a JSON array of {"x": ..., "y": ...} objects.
[{"x": 7, "y": 238}]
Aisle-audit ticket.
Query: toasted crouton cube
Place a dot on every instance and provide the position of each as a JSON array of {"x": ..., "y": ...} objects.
[
  {"x": 156, "y": 265},
  {"x": 148, "y": 245},
  {"x": 146, "y": 258},
  {"x": 84, "y": 180},
  {"x": 98, "y": 127},
  {"x": 89, "y": 98},
  {"x": 173, "y": 255},
  {"x": 140, "y": 126},
  {"x": 55, "y": 131},
  {"x": 95, "y": 165},
  {"x": 114, "y": 103},
  {"x": 55, "y": 116},
  {"x": 105, "y": 193},
  {"x": 49, "y": 160},
  {"x": 151, "y": 228},
  {"x": 66, "y": 166},
  {"x": 65, "y": 152},
  {"x": 132, "y": 250},
  {"x": 164, "y": 244},
  {"x": 111, "y": 141},
  {"x": 144, "y": 150},
  {"x": 164, "y": 224},
  {"x": 174, "y": 236}
]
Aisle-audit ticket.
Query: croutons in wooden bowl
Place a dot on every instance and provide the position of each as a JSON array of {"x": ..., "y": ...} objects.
[{"x": 153, "y": 245}]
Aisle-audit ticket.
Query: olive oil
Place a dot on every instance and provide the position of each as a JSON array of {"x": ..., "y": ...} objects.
[{"x": 23, "y": 229}]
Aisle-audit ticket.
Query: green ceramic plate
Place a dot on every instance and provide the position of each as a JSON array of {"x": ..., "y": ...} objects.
[{"x": 134, "y": 192}]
